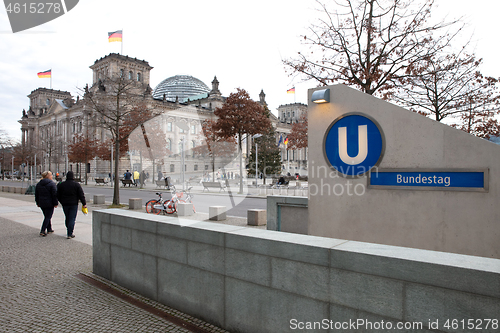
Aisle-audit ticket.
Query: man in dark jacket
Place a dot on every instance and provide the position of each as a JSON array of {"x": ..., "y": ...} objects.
[
  {"x": 46, "y": 199},
  {"x": 68, "y": 194}
]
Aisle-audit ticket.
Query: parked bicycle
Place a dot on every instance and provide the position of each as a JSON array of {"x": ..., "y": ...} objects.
[{"x": 156, "y": 206}]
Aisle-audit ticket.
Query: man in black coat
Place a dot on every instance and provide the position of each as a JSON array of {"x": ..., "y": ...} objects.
[
  {"x": 46, "y": 199},
  {"x": 68, "y": 194}
]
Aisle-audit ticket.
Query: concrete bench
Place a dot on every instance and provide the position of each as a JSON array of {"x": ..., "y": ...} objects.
[
  {"x": 100, "y": 181},
  {"x": 185, "y": 209},
  {"x": 217, "y": 213},
  {"x": 207, "y": 185},
  {"x": 128, "y": 182},
  {"x": 135, "y": 203},
  {"x": 256, "y": 217},
  {"x": 99, "y": 199}
]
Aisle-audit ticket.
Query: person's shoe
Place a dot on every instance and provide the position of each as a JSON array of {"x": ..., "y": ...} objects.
[
  {"x": 43, "y": 234},
  {"x": 50, "y": 231},
  {"x": 71, "y": 236}
]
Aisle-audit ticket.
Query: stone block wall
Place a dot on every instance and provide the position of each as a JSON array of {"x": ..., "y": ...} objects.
[{"x": 253, "y": 280}]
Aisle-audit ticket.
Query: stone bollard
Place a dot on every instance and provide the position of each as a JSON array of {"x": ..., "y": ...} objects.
[
  {"x": 135, "y": 203},
  {"x": 217, "y": 213},
  {"x": 184, "y": 209},
  {"x": 99, "y": 199},
  {"x": 256, "y": 217}
]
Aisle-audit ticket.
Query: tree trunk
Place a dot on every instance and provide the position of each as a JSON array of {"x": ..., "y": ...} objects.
[
  {"x": 86, "y": 163},
  {"x": 241, "y": 164},
  {"x": 116, "y": 188}
]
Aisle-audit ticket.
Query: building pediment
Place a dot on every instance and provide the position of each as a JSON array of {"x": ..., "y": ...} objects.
[{"x": 57, "y": 106}]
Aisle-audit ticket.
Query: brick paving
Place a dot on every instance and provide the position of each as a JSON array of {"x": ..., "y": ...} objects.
[{"x": 40, "y": 290}]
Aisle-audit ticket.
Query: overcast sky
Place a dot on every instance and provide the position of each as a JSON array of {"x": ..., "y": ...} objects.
[{"x": 242, "y": 42}]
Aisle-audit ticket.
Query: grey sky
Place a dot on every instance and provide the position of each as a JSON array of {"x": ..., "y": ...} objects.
[{"x": 240, "y": 42}]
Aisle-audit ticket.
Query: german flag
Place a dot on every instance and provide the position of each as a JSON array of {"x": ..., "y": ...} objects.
[
  {"x": 115, "y": 36},
  {"x": 45, "y": 74},
  {"x": 291, "y": 91},
  {"x": 286, "y": 141}
]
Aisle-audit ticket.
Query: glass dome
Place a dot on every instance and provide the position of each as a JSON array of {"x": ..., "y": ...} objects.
[{"x": 182, "y": 86}]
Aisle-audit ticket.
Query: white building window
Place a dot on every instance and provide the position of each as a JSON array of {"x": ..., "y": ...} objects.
[
  {"x": 138, "y": 76},
  {"x": 193, "y": 129},
  {"x": 130, "y": 75},
  {"x": 169, "y": 126}
]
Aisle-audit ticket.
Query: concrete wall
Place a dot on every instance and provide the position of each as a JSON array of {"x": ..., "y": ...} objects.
[
  {"x": 14, "y": 189},
  {"x": 288, "y": 214},
  {"x": 253, "y": 280},
  {"x": 449, "y": 221}
]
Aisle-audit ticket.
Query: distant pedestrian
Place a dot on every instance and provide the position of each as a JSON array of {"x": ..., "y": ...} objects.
[
  {"x": 142, "y": 178},
  {"x": 136, "y": 177},
  {"x": 46, "y": 199},
  {"x": 127, "y": 175},
  {"x": 68, "y": 194},
  {"x": 160, "y": 175}
]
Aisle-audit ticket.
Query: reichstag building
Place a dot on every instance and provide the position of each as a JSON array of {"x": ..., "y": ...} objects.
[{"x": 55, "y": 120}]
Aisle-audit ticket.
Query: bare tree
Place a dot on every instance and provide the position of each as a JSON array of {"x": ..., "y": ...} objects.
[
  {"x": 370, "y": 43},
  {"x": 452, "y": 85},
  {"x": 121, "y": 106},
  {"x": 81, "y": 151},
  {"x": 5, "y": 151}
]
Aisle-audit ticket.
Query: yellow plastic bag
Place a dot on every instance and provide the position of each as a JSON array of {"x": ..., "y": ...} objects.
[{"x": 85, "y": 210}]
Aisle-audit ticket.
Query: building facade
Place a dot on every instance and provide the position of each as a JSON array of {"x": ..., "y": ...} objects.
[{"x": 55, "y": 120}]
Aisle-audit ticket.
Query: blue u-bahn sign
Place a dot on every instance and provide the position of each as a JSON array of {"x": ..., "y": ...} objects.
[
  {"x": 430, "y": 179},
  {"x": 354, "y": 144}
]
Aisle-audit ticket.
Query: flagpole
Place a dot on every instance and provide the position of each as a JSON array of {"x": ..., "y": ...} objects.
[
  {"x": 122, "y": 43},
  {"x": 51, "y": 78}
]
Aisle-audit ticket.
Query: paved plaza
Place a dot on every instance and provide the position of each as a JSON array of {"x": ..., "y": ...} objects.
[{"x": 46, "y": 281}]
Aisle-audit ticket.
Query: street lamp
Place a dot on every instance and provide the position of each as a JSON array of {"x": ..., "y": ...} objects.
[
  {"x": 256, "y": 159},
  {"x": 185, "y": 128}
]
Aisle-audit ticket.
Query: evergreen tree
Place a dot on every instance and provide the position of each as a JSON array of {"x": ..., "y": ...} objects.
[{"x": 268, "y": 155}]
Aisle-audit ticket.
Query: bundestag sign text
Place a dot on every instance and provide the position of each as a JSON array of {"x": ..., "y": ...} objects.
[{"x": 467, "y": 180}]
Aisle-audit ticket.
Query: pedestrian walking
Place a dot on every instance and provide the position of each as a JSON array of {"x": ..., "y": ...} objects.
[
  {"x": 160, "y": 175},
  {"x": 136, "y": 177},
  {"x": 68, "y": 194},
  {"x": 143, "y": 178},
  {"x": 46, "y": 199}
]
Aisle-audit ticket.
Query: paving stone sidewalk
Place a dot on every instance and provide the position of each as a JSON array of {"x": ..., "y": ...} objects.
[{"x": 40, "y": 290}]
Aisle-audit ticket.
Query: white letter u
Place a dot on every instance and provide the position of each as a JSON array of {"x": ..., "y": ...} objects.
[{"x": 362, "y": 145}]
